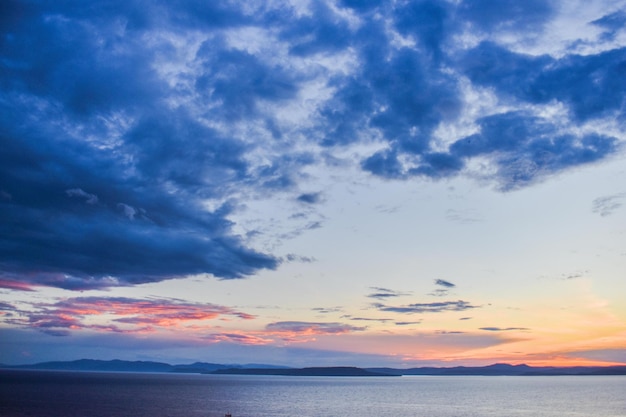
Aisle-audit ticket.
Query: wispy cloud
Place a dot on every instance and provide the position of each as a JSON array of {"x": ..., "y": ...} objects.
[
  {"x": 444, "y": 283},
  {"x": 384, "y": 293},
  {"x": 292, "y": 257},
  {"x": 327, "y": 310},
  {"x": 383, "y": 320},
  {"x": 607, "y": 205},
  {"x": 445, "y": 290},
  {"x": 439, "y": 292},
  {"x": 504, "y": 329},
  {"x": 463, "y": 216},
  {"x": 574, "y": 275},
  {"x": 438, "y": 307}
]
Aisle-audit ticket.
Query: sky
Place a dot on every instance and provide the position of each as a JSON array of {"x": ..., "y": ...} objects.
[{"x": 313, "y": 182}]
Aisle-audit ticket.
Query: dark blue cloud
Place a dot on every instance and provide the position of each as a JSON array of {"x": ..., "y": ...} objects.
[
  {"x": 511, "y": 73},
  {"x": 591, "y": 86},
  {"x": 526, "y": 148},
  {"x": 426, "y": 21},
  {"x": 239, "y": 80},
  {"x": 76, "y": 215},
  {"x": 192, "y": 14},
  {"x": 362, "y": 5},
  {"x": 279, "y": 173},
  {"x": 513, "y": 15},
  {"x": 385, "y": 164},
  {"x": 399, "y": 92},
  {"x": 320, "y": 32},
  {"x": 174, "y": 147},
  {"x": 82, "y": 209},
  {"x": 438, "y": 165},
  {"x": 310, "y": 198},
  {"x": 141, "y": 15},
  {"x": 412, "y": 99},
  {"x": 505, "y": 132},
  {"x": 13, "y": 13},
  {"x": 83, "y": 68},
  {"x": 344, "y": 117},
  {"x": 402, "y": 94},
  {"x": 613, "y": 23},
  {"x": 114, "y": 136},
  {"x": 588, "y": 85}
]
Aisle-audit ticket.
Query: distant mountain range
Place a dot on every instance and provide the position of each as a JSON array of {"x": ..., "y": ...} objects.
[
  {"x": 503, "y": 369},
  {"x": 500, "y": 369},
  {"x": 134, "y": 366}
]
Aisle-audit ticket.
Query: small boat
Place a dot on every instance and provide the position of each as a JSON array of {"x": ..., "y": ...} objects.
[{"x": 228, "y": 415}]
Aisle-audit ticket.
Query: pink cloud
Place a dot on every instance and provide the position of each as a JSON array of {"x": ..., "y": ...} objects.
[
  {"x": 281, "y": 333},
  {"x": 239, "y": 338},
  {"x": 15, "y": 285},
  {"x": 300, "y": 331},
  {"x": 123, "y": 315},
  {"x": 304, "y": 327}
]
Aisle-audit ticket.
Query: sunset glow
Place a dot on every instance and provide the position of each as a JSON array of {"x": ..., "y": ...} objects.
[{"x": 313, "y": 182}]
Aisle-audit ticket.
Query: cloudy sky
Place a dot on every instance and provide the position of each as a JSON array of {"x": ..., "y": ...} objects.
[{"x": 313, "y": 182}]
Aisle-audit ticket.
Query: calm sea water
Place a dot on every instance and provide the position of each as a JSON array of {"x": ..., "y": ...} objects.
[{"x": 42, "y": 394}]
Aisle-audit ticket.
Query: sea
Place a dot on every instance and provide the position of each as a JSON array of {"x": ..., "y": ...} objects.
[{"x": 89, "y": 394}]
